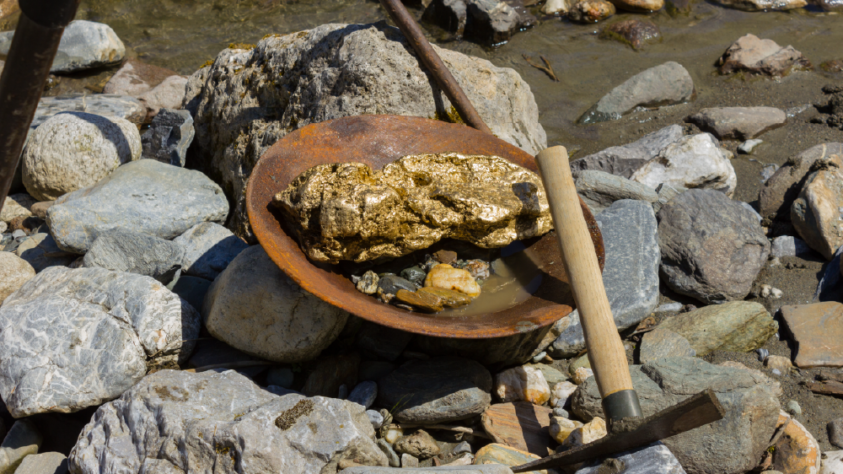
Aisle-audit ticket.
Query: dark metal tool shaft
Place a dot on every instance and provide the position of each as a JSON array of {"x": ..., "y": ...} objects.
[
  {"x": 399, "y": 14},
  {"x": 26, "y": 70}
]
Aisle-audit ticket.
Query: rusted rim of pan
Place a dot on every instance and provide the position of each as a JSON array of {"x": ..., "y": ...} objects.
[{"x": 377, "y": 140}]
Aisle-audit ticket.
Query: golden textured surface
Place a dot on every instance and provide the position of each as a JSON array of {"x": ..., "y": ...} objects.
[{"x": 350, "y": 212}]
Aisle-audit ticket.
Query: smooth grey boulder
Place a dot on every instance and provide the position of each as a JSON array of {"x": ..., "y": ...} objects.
[
  {"x": 364, "y": 393},
  {"x": 630, "y": 274},
  {"x": 208, "y": 249},
  {"x": 132, "y": 252},
  {"x": 71, "y": 339},
  {"x": 661, "y": 85},
  {"x": 655, "y": 458},
  {"x": 712, "y": 247},
  {"x": 600, "y": 189},
  {"x": 436, "y": 390},
  {"x": 106, "y": 105},
  {"x": 145, "y": 196},
  {"x": 22, "y": 440},
  {"x": 83, "y": 45},
  {"x": 738, "y": 123},
  {"x": 483, "y": 469},
  {"x": 732, "y": 445},
  {"x": 177, "y": 422},
  {"x": 169, "y": 136},
  {"x": 46, "y": 463},
  {"x": 626, "y": 159},
  {"x": 289, "y": 81}
]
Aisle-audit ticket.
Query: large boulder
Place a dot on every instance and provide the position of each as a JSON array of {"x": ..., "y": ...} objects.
[
  {"x": 177, "y": 422},
  {"x": 208, "y": 249},
  {"x": 736, "y": 326},
  {"x": 732, "y": 445},
  {"x": 133, "y": 252},
  {"x": 71, "y": 339},
  {"x": 255, "y": 307},
  {"x": 712, "y": 247},
  {"x": 816, "y": 212},
  {"x": 334, "y": 71},
  {"x": 75, "y": 150},
  {"x": 626, "y": 159},
  {"x": 144, "y": 196}
]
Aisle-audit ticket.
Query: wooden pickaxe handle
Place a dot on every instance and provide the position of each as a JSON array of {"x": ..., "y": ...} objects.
[{"x": 605, "y": 349}]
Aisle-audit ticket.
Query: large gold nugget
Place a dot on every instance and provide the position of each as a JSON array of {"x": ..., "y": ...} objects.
[{"x": 348, "y": 211}]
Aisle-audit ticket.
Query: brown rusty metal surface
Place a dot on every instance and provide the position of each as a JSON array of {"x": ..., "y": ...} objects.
[{"x": 377, "y": 140}]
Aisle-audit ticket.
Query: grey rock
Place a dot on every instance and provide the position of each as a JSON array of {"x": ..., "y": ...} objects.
[
  {"x": 751, "y": 209},
  {"x": 462, "y": 447},
  {"x": 375, "y": 418},
  {"x": 748, "y": 146},
  {"x": 106, "y": 105},
  {"x": 125, "y": 251},
  {"x": 738, "y": 123},
  {"x": 669, "y": 308},
  {"x": 561, "y": 412},
  {"x": 383, "y": 342},
  {"x": 409, "y": 461},
  {"x": 329, "y": 72},
  {"x": 792, "y": 407},
  {"x": 712, "y": 247},
  {"x": 191, "y": 289},
  {"x": 661, "y": 343},
  {"x": 47, "y": 463},
  {"x": 391, "y": 455},
  {"x": 41, "y": 251},
  {"x": 551, "y": 375},
  {"x": 390, "y": 284},
  {"x": 208, "y": 249},
  {"x": 835, "y": 432},
  {"x": 22, "y": 440},
  {"x": 70, "y": 339},
  {"x": 661, "y": 85},
  {"x": 625, "y": 160},
  {"x": 167, "y": 95},
  {"x": 280, "y": 376},
  {"x": 484, "y": 469},
  {"x": 761, "y": 56},
  {"x": 489, "y": 21},
  {"x": 630, "y": 274},
  {"x": 414, "y": 274},
  {"x": 169, "y": 136},
  {"x": 655, "y": 458},
  {"x": 667, "y": 192},
  {"x": 145, "y": 196},
  {"x": 436, "y": 390},
  {"x": 732, "y": 445},
  {"x": 600, "y": 189},
  {"x": 789, "y": 246},
  {"x": 83, "y": 45},
  {"x": 175, "y": 421},
  {"x": 763, "y": 5},
  {"x": 364, "y": 393}
]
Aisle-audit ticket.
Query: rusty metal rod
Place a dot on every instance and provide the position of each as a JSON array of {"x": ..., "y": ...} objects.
[
  {"x": 25, "y": 73},
  {"x": 399, "y": 14}
]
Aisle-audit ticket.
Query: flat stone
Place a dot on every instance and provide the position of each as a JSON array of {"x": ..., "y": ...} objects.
[
  {"x": 448, "y": 298},
  {"x": 499, "y": 454},
  {"x": 663, "y": 342},
  {"x": 763, "y": 5},
  {"x": 408, "y": 461},
  {"x": 168, "y": 137},
  {"x": 16, "y": 271},
  {"x": 730, "y": 446},
  {"x": 701, "y": 233},
  {"x": 41, "y": 251},
  {"x": 167, "y": 95},
  {"x": 752, "y": 54},
  {"x": 749, "y": 146},
  {"x": 124, "y": 251},
  {"x": 738, "y": 123},
  {"x": 490, "y": 469},
  {"x": 835, "y": 432},
  {"x": 626, "y": 159},
  {"x": 46, "y": 463},
  {"x": 816, "y": 212},
  {"x": 208, "y": 249},
  {"x": 789, "y": 246},
  {"x": 832, "y": 462},
  {"x": 817, "y": 330},
  {"x": 591, "y": 11},
  {"x": 737, "y": 326},
  {"x": 426, "y": 302},
  {"x": 145, "y": 196},
  {"x": 328, "y": 375},
  {"x": 635, "y": 32},
  {"x": 695, "y": 161},
  {"x": 135, "y": 77},
  {"x": 600, "y": 189},
  {"x": 391, "y": 455},
  {"x": 436, "y": 390},
  {"x": 520, "y": 425},
  {"x": 797, "y": 450},
  {"x": 242, "y": 424},
  {"x": 22, "y": 440},
  {"x": 661, "y": 85},
  {"x": 75, "y": 338},
  {"x": 17, "y": 205},
  {"x": 105, "y": 105},
  {"x": 655, "y": 458}
]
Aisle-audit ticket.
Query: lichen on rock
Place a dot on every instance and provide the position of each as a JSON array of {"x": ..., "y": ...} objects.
[{"x": 350, "y": 212}]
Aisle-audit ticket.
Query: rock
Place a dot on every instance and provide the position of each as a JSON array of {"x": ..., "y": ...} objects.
[
  {"x": 346, "y": 59},
  {"x": 779, "y": 192},
  {"x": 490, "y": 203},
  {"x": 793, "y": 408},
  {"x": 634, "y": 32},
  {"x": 752, "y": 54},
  {"x": 23, "y": 440},
  {"x": 667, "y": 192},
  {"x": 560, "y": 394},
  {"x": 409, "y": 461},
  {"x": 828, "y": 5},
  {"x": 556, "y": 7},
  {"x": 145, "y": 196},
  {"x": 448, "y": 298},
  {"x": 75, "y": 338},
  {"x": 815, "y": 213},
  {"x": 391, "y": 433},
  {"x": 436, "y": 390},
  {"x": 797, "y": 450},
  {"x": 748, "y": 146},
  {"x": 520, "y": 425},
  {"x": 167, "y": 95},
  {"x": 255, "y": 307},
  {"x": 124, "y": 251},
  {"x": 241, "y": 423},
  {"x": 522, "y": 383},
  {"x": 581, "y": 375},
  {"x": 489, "y": 21},
  {"x": 789, "y": 246},
  {"x": 498, "y": 454},
  {"x": 695, "y": 161},
  {"x": 419, "y": 444},
  {"x": 640, "y": 6},
  {"x": 551, "y": 375},
  {"x": 47, "y": 463},
  {"x": 41, "y": 251},
  {"x": 561, "y": 428},
  {"x": 625, "y": 160},
  {"x": 738, "y": 123},
  {"x": 375, "y": 418},
  {"x": 630, "y": 275},
  {"x": 729, "y": 446},
  {"x": 169, "y": 136},
  {"x": 737, "y": 326},
  {"x": 381, "y": 342},
  {"x": 364, "y": 393},
  {"x": 414, "y": 274},
  {"x": 208, "y": 249},
  {"x": 17, "y": 205},
  {"x": 75, "y": 150},
  {"x": 585, "y": 434},
  {"x": 661, "y": 85},
  {"x": 391, "y": 284},
  {"x": 763, "y": 5},
  {"x": 591, "y": 11},
  {"x": 15, "y": 271},
  {"x": 701, "y": 232},
  {"x": 113, "y": 106},
  {"x": 783, "y": 364},
  {"x": 832, "y": 462},
  {"x": 192, "y": 290},
  {"x": 446, "y": 277},
  {"x": 426, "y": 302},
  {"x": 829, "y": 288},
  {"x": 835, "y": 432},
  {"x": 600, "y": 189},
  {"x": 816, "y": 329},
  {"x": 391, "y": 455},
  {"x": 655, "y": 458},
  {"x": 661, "y": 343},
  {"x": 84, "y": 45},
  {"x": 135, "y": 77},
  {"x": 368, "y": 283}
]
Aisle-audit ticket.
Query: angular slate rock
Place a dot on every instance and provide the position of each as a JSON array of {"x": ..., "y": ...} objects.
[
  {"x": 125, "y": 251},
  {"x": 71, "y": 339},
  {"x": 817, "y": 330},
  {"x": 630, "y": 274},
  {"x": 208, "y": 249},
  {"x": 519, "y": 425},
  {"x": 600, "y": 189},
  {"x": 652, "y": 459},
  {"x": 176, "y": 421},
  {"x": 712, "y": 247},
  {"x": 169, "y": 136},
  {"x": 436, "y": 390},
  {"x": 736, "y": 326},
  {"x": 626, "y": 159},
  {"x": 145, "y": 196}
]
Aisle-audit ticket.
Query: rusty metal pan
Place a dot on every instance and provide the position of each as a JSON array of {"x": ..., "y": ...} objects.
[{"x": 377, "y": 140}]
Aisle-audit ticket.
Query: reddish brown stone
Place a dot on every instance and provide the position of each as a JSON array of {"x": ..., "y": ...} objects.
[
  {"x": 818, "y": 332},
  {"x": 520, "y": 425},
  {"x": 634, "y": 32}
]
